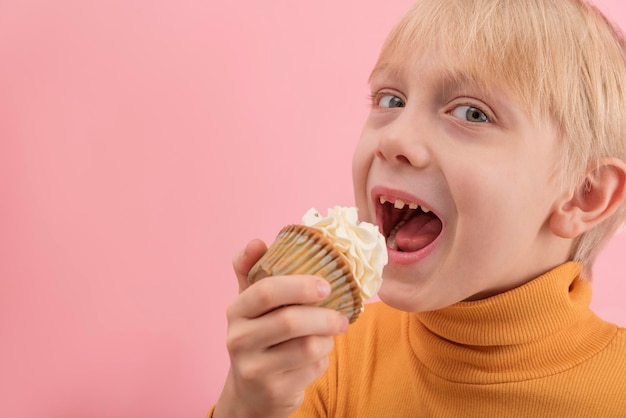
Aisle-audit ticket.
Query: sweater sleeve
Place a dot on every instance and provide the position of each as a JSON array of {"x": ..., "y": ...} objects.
[
  {"x": 210, "y": 414},
  {"x": 313, "y": 405}
]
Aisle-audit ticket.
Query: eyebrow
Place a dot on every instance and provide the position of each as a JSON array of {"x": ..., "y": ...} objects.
[
  {"x": 445, "y": 77},
  {"x": 382, "y": 69},
  {"x": 452, "y": 80}
]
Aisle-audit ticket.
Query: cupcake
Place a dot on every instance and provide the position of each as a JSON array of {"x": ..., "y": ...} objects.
[{"x": 349, "y": 254}]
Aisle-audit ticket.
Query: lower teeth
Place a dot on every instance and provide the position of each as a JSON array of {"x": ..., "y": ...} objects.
[
  {"x": 391, "y": 242},
  {"x": 391, "y": 239}
]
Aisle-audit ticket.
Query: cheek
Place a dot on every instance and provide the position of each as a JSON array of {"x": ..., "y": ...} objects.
[
  {"x": 486, "y": 200},
  {"x": 477, "y": 187},
  {"x": 361, "y": 163},
  {"x": 503, "y": 200}
]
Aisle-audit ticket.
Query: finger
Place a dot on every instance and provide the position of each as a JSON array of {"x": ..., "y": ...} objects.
[
  {"x": 291, "y": 355},
  {"x": 276, "y": 291},
  {"x": 297, "y": 380},
  {"x": 245, "y": 259},
  {"x": 282, "y": 325},
  {"x": 298, "y": 353}
]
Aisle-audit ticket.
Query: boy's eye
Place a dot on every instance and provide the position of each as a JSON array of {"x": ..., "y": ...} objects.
[
  {"x": 470, "y": 114},
  {"x": 389, "y": 101}
]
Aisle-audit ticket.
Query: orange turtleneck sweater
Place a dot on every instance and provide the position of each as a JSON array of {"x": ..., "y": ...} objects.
[{"x": 535, "y": 351}]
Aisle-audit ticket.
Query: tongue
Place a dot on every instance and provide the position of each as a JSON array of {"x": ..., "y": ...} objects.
[{"x": 417, "y": 232}]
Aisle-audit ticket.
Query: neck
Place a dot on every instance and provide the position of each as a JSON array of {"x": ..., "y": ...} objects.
[{"x": 536, "y": 329}]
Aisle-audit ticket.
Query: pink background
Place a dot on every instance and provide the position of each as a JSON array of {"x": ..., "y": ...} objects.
[{"x": 142, "y": 143}]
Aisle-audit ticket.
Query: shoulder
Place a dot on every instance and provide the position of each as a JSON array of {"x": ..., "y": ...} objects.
[
  {"x": 618, "y": 343},
  {"x": 605, "y": 373},
  {"x": 606, "y": 368}
]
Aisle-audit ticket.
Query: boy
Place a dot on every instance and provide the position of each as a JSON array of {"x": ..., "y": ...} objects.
[{"x": 505, "y": 121}]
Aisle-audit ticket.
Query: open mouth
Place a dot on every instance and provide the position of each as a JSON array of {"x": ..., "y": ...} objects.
[{"x": 407, "y": 226}]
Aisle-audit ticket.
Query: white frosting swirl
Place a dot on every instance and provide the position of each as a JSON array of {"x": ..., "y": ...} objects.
[{"x": 361, "y": 242}]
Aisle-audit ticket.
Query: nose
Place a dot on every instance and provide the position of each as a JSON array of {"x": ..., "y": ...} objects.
[{"x": 404, "y": 141}]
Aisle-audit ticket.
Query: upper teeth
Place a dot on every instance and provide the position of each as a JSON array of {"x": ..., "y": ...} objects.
[{"x": 400, "y": 204}]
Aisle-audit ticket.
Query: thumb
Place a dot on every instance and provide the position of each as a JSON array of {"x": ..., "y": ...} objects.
[{"x": 245, "y": 259}]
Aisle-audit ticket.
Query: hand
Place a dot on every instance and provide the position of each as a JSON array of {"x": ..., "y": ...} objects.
[{"x": 277, "y": 346}]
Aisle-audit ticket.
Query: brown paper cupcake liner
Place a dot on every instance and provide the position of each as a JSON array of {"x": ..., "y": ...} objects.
[{"x": 299, "y": 249}]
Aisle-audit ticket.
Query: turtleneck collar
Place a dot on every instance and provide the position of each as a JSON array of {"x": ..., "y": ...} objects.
[{"x": 537, "y": 329}]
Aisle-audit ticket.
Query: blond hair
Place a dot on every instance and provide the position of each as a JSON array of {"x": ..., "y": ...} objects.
[{"x": 562, "y": 59}]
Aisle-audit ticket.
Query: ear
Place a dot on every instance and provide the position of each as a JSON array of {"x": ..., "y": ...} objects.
[{"x": 602, "y": 192}]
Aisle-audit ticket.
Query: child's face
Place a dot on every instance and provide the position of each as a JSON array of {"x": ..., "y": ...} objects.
[{"x": 479, "y": 163}]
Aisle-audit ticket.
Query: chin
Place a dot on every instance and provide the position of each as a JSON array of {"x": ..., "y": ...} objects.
[
  {"x": 400, "y": 293},
  {"x": 414, "y": 292}
]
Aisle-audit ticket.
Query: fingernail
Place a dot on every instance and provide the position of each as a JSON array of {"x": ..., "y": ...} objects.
[
  {"x": 344, "y": 323},
  {"x": 323, "y": 288}
]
